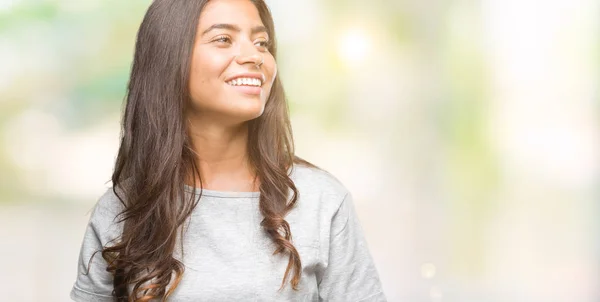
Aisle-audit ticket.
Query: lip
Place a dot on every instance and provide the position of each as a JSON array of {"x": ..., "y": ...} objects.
[
  {"x": 254, "y": 75},
  {"x": 250, "y": 90}
]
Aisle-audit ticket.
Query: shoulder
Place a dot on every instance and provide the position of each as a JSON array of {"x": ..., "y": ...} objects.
[
  {"x": 108, "y": 205},
  {"x": 311, "y": 181},
  {"x": 104, "y": 221}
]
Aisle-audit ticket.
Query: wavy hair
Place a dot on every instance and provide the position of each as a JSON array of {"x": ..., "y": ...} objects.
[{"x": 156, "y": 157}]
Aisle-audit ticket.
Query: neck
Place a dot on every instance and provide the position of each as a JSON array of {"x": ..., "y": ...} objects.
[{"x": 222, "y": 156}]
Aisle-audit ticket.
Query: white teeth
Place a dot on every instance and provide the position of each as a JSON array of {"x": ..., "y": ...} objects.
[{"x": 245, "y": 81}]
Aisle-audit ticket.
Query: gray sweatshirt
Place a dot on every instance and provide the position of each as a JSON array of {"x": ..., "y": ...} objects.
[{"x": 228, "y": 257}]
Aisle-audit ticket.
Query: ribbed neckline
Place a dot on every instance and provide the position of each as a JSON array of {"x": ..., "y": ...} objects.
[{"x": 222, "y": 194}]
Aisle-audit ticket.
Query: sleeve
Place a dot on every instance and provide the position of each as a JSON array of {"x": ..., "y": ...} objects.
[
  {"x": 93, "y": 282},
  {"x": 349, "y": 273}
]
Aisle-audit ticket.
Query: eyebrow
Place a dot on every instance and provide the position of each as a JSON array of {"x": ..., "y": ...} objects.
[{"x": 254, "y": 30}]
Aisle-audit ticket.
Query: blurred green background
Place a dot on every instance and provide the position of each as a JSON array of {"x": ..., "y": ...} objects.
[{"x": 468, "y": 132}]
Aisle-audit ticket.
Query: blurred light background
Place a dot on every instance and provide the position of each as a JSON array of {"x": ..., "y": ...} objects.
[{"x": 468, "y": 132}]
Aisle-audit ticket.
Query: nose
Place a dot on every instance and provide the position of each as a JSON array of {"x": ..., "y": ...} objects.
[
  {"x": 255, "y": 59},
  {"x": 249, "y": 56}
]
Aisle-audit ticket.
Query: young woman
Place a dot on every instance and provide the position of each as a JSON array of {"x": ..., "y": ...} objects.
[{"x": 209, "y": 202}]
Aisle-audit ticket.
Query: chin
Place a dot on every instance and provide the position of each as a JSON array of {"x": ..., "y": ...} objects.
[
  {"x": 247, "y": 113},
  {"x": 253, "y": 114},
  {"x": 250, "y": 108}
]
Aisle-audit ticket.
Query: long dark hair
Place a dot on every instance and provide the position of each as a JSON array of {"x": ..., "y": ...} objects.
[{"x": 155, "y": 157}]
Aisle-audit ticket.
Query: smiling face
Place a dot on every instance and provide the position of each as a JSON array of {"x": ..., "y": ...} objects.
[{"x": 231, "y": 70}]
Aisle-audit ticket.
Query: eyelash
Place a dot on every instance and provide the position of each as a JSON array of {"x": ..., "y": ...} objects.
[{"x": 219, "y": 39}]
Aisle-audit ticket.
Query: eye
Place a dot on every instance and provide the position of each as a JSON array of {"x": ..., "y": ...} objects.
[
  {"x": 264, "y": 44},
  {"x": 222, "y": 39}
]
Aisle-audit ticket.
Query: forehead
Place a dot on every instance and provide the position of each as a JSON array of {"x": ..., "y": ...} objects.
[{"x": 240, "y": 12}]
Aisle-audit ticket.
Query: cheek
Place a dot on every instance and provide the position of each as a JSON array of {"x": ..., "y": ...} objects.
[
  {"x": 196, "y": 74},
  {"x": 271, "y": 69},
  {"x": 201, "y": 68},
  {"x": 205, "y": 72}
]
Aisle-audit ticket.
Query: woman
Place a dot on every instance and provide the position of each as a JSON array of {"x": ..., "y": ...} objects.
[{"x": 207, "y": 191}]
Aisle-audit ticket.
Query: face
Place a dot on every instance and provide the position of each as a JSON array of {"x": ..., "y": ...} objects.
[{"x": 232, "y": 71}]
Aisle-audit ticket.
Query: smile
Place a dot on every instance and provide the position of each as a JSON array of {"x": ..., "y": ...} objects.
[
  {"x": 249, "y": 88},
  {"x": 245, "y": 82}
]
